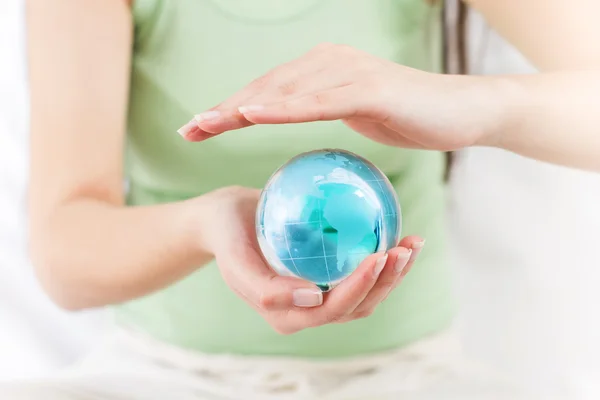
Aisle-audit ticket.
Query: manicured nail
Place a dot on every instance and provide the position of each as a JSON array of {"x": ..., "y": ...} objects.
[
  {"x": 402, "y": 260},
  {"x": 187, "y": 128},
  {"x": 307, "y": 298},
  {"x": 418, "y": 245},
  {"x": 207, "y": 116},
  {"x": 248, "y": 109},
  {"x": 379, "y": 265}
]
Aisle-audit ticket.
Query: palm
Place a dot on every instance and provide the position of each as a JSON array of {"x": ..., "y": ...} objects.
[{"x": 373, "y": 130}]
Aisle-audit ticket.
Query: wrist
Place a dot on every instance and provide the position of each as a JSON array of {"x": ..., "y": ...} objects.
[
  {"x": 197, "y": 219},
  {"x": 206, "y": 215},
  {"x": 500, "y": 96}
]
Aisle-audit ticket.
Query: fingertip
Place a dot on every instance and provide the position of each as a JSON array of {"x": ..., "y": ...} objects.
[
  {"x": 198, "y": 135},
  {"x": 365, "y": 274},
  {"x": 412, "y": 242},
  {"x": 227, "y": 121},
  {"x": 400, "y": 252},
  {"x": 418, "y": 244},
  {"x": 188, "y": 129},
  {"x": 307, "y": 297},
  {"x": 379, "y": 264},
  {"x": 402, "y": 258},
  {"x": 415, "y": 245},
  {"x": 369, "y": 269},
  {"x": 191, "y": 132},
  {"x": 285, "y": 292}
]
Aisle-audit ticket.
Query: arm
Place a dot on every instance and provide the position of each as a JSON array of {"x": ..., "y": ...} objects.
[
  {"x": 552, "y": 116},
  {"x": 88, "y": 249}
]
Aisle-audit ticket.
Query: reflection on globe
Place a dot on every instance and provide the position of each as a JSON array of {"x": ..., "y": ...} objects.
[{"x": 324, "y": 212}]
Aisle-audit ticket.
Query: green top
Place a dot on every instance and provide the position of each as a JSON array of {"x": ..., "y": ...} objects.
[{"x": 190, "y": 55}]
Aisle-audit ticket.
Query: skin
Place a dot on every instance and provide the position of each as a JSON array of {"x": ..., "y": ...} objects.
[
  {"x": 80, "y": 229},
  {"x": 550, "y": 116}
]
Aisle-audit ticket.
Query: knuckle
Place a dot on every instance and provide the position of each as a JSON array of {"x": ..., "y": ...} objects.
[
  {"x": 288, "y": 88},
  {"x": 267, "y": 301}
]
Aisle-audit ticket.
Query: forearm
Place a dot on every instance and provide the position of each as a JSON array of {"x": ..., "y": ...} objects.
[
  {"x": 89, "y": 253},
  {"x": 552, "y": 117}
]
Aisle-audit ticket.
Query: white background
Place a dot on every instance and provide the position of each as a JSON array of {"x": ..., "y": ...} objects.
[
  {"x": 526, "y": 237},
  {"x": 35, "y": 336}
]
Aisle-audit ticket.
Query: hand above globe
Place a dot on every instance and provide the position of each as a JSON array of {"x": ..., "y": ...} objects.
[
  {"x": 382, "y": 100},
  {"x": 549, "y": 116},
  {"x": 291, "y": 304}
]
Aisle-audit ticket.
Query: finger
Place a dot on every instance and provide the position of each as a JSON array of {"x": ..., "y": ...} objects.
[
  {"x": 314, "y": 106},
  {"x": 279, "y": 83},
  {"x": 339, "y": 103},
  {"x": 192, "y": 132},
  {"x": 265, "y": 290},
  {"x": 406, "y": 253},
  {"x": 415, "y": 243},
  {"x": 215, "y": 122},
  {"x": 345, "y": 297},
  {"x": 389, "y": 278},
  {"x": 229, "y": 119},
  {"x": 328, "y": 105}
]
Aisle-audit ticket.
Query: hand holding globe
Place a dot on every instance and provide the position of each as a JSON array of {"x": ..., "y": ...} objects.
[{"x": 362, "y": 272}]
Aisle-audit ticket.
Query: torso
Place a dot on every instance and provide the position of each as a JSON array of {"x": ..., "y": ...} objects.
[{"x": 191, "y": 54}]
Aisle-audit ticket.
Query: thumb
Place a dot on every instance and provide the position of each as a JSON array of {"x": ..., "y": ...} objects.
[{"x": 282, "y": 293}]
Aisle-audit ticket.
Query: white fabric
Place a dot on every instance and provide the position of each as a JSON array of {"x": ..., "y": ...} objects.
[{"x": 133, "y": 367}]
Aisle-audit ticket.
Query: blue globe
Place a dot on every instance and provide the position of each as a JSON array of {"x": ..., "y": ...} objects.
[{"x": 324, "y": 212}]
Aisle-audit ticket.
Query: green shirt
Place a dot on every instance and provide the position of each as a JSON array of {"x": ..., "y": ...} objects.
[{"x": 191, "y": 54}]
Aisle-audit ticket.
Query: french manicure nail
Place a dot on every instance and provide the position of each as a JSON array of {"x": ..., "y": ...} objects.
[
  {"x": 379, "y": 265},
  {"x": 207, "y": 116},
  {"x": 248, "y": 109},
  {"x": 418, "y": 245},
  {"x": 402, "y": 260},
  {"x": 307, "y": 298},
  {"x": 187, "y": 128}
]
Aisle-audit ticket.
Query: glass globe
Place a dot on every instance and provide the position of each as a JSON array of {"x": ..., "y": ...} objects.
[{"x": 324, "y": 212}]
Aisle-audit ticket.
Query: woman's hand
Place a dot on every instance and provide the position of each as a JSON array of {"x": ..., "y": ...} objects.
[
  {"x": 290, "y": 304},
  {"x": 384, "y": 101}
]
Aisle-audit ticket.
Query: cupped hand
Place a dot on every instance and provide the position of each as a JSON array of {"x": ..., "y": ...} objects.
[
  {"x": 382, "y": 100},
  {"x": 291, "y": 304}
]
